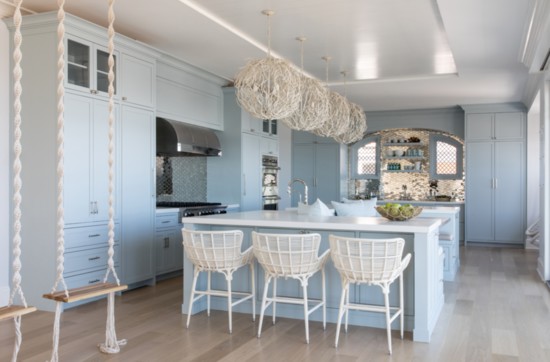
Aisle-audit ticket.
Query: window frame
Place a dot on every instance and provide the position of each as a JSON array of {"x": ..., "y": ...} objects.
[
  {"x": 353, "y": 156},
  {"x": 434, "y": 138}
]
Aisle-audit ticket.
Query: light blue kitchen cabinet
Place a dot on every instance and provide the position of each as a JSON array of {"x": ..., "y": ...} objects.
[
  {"x": 86, "y": 155},
  {"x": 88, "y": 67},
  {"x": 168, "y": 243},
  {"x": 251, "y": 194},
  {"x": 319, "y": 165},
  {"x": 138, "y": 193},
  {"x": 495, "y": 126},
  {"x": 188, "y": 94},
  {"x": 137, "y": 79},
  {"x": 495, "y": 177}
]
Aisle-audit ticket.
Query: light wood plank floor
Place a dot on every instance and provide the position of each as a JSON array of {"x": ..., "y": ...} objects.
[{"x": 497, "y": 310}]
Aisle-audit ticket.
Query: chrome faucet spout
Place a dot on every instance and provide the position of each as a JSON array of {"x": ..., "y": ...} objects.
[{"x": 289, "y": 188}]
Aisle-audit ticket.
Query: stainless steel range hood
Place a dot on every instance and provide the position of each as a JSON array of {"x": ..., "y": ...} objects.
[{"x": 180, "y": 139}]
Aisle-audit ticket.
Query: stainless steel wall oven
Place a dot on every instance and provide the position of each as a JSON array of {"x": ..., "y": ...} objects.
[{"x": 270, "y": 190}]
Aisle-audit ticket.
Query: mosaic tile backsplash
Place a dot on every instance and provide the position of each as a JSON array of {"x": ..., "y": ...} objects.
[
  {"x": 181, "y": 179},
  {"x": 390, "y": 185}
]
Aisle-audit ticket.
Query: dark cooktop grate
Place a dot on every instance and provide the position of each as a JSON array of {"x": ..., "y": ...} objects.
[{"x": 186, "y": 204}]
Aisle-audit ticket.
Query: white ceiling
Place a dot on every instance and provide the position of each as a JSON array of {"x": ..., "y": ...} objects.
[{"x": 398, "y": 54}]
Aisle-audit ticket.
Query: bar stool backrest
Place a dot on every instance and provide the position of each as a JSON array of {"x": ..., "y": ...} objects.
[
  {"x": 369, "y": 261},
  {"x": 283, "y": 255},
  {"x": 213, "y": 250}
]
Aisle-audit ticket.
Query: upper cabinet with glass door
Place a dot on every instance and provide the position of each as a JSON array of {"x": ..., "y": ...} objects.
[{"x": 88, "y": 67}]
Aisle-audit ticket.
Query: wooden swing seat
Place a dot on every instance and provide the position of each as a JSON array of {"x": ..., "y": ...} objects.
[
  {"x": 15, "y": 311},
  {"x": 86, "y": 292}
]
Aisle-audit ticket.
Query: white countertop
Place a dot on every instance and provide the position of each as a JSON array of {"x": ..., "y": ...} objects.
[{"x": 293, "y": 220}]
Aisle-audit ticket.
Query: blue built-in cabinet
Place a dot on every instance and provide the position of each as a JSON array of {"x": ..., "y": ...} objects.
[
  {"x": 495, "y": 173},
  {"x": 322, "y": 163}
]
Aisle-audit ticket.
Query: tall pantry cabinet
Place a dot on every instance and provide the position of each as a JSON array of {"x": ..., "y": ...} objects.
[
  {"x": 236, "y": 176},
  {"x": 321, "y": 162},
  {"x": 86, "y": 156},
  {"x": 495, "y": 174}
]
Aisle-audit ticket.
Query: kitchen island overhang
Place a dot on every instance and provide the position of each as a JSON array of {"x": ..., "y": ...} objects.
[{"x": 423, "y": 280}]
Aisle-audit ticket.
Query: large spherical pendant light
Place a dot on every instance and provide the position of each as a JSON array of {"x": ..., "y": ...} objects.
[{"x": 268, "y": 88}]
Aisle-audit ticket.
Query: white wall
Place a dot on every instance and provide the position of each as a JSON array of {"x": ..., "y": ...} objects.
[
  {"x": 533, "y": 165},
  {"x": 4, "y": 164}
]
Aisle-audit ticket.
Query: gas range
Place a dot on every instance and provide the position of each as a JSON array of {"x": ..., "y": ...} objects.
[{"x": 188, "y": 209}]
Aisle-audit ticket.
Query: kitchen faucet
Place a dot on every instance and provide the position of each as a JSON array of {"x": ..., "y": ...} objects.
[{"x": 289, "y": 189}]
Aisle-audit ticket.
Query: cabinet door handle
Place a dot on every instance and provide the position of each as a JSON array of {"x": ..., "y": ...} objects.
[
  {"x": 94, "y": 235},
  {"x": 166, "y": 243},
  {"x": 244, "y": 184},
  {"x": 94, "y": 258},
  {"x": 124, "y": 98},
  {"x": 496, "y": 183},
  {"x": 96, "y": 211}
]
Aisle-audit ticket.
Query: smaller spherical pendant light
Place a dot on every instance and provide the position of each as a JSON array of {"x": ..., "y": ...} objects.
[
  {"x": 356, "y": 127},
  {"x": 268, "y": 88},
  {"x": 338, "y": 119}
]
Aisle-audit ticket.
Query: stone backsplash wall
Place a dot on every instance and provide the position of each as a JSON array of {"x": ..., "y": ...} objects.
[{"x": 181, "y": 179}]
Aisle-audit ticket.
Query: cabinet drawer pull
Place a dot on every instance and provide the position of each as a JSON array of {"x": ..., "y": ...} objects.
[
  {"x": 166, "y": 243},
  {"x": 166, "y": 222},
  {"x": 94, "y": 258},
  {"x": 94, "y": 235},
  {"x": 93, "y": 281}
]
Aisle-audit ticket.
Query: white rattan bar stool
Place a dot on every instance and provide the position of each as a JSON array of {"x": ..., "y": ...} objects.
[
  {"x": 290, "y": 256},
  {"x": 218, "y": 251},
  {"x": 372, "y": 262}
]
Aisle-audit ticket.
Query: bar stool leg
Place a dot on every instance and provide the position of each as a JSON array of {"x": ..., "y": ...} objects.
[
  {"x": 208, "y": 287},
  {"x": 324, "y": 299},
  {"x": 388, "y": 325},
  {"x": 264, "y": 304},
  {"x": 274, "y": 296},
  {"x": 306, "y": 310},
  {"x": 347, "y": 308},
  {"x": 340, "y": 313},
  {"x": 229, "y": 277},
  {"x": 253, "y": 289},
  {"x": 401, "y": 303},
  {"x": 192, "y": 297}
]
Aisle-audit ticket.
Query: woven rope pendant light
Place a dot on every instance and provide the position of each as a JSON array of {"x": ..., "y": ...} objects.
[
  {"x": 313, "y": 109},
  {"x": 338, "y": 115},
  {"x": 268, "y": 88},
  {"x": 356, "y": 128}
]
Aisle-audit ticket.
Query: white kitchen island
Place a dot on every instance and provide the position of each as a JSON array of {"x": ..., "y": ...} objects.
[{"x": 423, "y": 278}]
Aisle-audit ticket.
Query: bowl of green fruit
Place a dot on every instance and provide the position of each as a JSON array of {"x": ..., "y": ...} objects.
[{"x": 398, "y": 212}]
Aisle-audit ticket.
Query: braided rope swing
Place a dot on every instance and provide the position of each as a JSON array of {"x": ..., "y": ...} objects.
[
  {"x": 313, "y": 108},
  {"x": 268, "y": 88},
  {"x": 11, "y": 310},
  {"x": 111, "y": 344}
]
